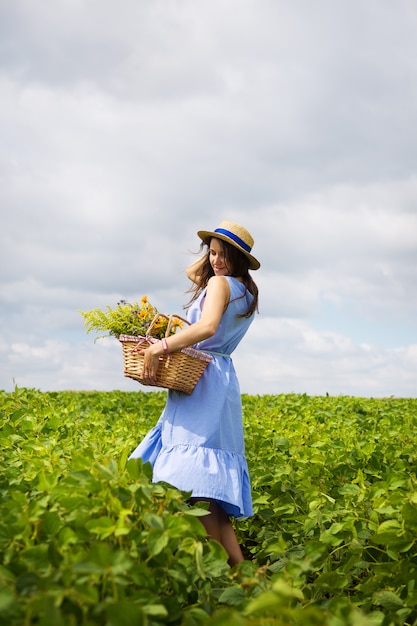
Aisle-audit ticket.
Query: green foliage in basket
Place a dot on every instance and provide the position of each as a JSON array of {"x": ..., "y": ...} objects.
[{"x": 128, "y": 319}]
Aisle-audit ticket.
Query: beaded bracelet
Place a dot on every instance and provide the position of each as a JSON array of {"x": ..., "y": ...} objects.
[{"x": 165, "y": 345}]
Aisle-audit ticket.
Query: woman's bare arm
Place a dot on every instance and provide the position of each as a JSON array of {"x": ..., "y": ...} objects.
[{"x": 215, "y": 303}]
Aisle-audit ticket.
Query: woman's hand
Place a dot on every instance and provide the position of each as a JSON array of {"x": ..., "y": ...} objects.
[{"x": 151, "y": 361}]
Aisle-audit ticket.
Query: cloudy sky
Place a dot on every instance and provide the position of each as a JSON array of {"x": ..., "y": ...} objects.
[{"x": 127, "y": 126}]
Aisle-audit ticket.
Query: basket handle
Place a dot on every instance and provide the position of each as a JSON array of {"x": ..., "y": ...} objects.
[
  {"x": 169, "y": 325},
  {"x": 170, "y": 320},
  {"x": 151, "y": 325}
]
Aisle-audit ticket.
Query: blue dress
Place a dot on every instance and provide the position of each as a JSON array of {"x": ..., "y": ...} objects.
[{"x": 197, "y": 444}]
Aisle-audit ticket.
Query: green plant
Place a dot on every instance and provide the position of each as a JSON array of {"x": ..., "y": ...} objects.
[
  {"x": 335, "y": 496},
  {"x": 87, "y": 539}
]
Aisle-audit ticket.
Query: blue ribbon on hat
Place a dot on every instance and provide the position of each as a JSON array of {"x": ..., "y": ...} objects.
[{"x": 235, "y": 238}]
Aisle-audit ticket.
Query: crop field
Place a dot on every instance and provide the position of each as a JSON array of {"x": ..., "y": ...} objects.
[{"x": 87, "y": 539}]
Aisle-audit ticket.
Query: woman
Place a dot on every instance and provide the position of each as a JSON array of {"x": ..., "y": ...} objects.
[{"x": 197, "y": 444}]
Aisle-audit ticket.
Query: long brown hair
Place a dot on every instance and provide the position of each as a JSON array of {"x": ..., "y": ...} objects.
[{"x": 239, "y": 267}]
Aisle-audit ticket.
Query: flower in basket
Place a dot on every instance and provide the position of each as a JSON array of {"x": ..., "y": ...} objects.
[{"x": 129, "y": 319}]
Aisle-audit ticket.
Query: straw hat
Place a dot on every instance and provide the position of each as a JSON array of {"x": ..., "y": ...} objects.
[{"x": 237, "y": 236}]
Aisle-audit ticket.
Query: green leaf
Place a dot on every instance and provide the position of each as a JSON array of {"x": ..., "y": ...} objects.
[
  {"x": 6, "y": 575},
  {"x": 198, "y": 546},
  {"x": 283, "y": 589},
  {"x": 103, "y": 527},
  {"x": 225, "y": 617},
  {"x": 51, "y": 522},
  {"x": 88, "y": 594},
  {"x": 157, "y": 541},
  {"x": 388, "y": 600},
  {"x": 7, "y": 599},
  {"x": 233, "y": 596},
  {"x": 125, "y": 614},
  {"x": 409, "y": 514},
  {"x": 388, "y": 532},
  {"x": 156, "y": 610},
  {"x": 264, "y": 604}
]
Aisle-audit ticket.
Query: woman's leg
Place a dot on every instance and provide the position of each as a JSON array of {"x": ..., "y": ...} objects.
[{"x": 219, "y": 527}]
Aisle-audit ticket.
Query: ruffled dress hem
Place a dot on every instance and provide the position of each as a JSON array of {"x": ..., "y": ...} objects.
[{"x": 217, "y": 474}]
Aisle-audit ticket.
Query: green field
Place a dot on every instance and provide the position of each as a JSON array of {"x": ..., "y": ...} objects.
[{"x": 87, "y": 539}]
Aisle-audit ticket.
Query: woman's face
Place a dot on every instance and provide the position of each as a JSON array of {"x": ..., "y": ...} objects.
[{"x": 217, "y": 258}]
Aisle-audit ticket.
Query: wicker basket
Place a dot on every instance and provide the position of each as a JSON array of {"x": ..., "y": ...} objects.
[{"x": 179, "y": 371}]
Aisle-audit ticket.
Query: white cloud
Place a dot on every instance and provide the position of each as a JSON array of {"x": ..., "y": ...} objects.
[
  {"x": 289, "y": 355},
  {"x": 125, "y": 130}
]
